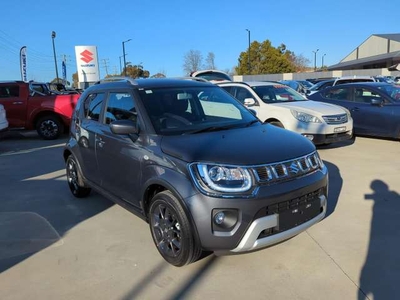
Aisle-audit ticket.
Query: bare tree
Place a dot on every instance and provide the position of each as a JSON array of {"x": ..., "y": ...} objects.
[
  {"x": 210, "y": 61},
  {"x": 192, "y": 61}
]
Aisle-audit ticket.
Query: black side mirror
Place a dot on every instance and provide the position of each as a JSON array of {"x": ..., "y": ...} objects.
[{"x": 123, "y": 127}]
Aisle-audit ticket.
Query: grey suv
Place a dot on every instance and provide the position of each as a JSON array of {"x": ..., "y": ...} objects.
[{"x": 195, "y": 164}]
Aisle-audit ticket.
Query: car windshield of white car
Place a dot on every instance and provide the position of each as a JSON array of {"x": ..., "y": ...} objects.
[{"x": 277, "y": 93}]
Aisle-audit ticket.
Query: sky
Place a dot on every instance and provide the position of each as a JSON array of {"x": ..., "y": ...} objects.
[{"x": 162, "y": 32}]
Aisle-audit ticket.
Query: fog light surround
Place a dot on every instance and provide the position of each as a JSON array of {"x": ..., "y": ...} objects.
[
  {"x": 224, "y": 219},
  {"x": 309, "y": 136}
]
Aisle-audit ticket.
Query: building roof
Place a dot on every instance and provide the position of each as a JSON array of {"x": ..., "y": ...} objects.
[{"x": 393, "y": 36}]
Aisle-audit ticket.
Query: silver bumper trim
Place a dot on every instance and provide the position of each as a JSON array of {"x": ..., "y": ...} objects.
[{"x": 249, "y": 241}]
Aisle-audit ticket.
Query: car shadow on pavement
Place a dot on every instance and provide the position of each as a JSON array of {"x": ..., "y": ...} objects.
[
  {"x": 381, "y": 271},
  {"x": 36, "y": 206},
  {"x": 335, "y": 187}
]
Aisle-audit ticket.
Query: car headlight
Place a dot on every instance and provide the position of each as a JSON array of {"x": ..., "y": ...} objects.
[
  {"x": 347, "y": 113},
  {"x": 303, "y": 117},
  {"x": 221, "y": 178}
]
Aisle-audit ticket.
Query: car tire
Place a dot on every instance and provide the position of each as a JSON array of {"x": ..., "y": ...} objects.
[
  {"x": 172, "y": 231},
  {"x": 277, "y": 124},
  {"x": 49, "y": 127},
  {"x": 74, "y": 179}
]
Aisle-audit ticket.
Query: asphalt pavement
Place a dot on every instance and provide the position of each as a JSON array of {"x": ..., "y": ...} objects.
[{"x": 54, "y": 246}]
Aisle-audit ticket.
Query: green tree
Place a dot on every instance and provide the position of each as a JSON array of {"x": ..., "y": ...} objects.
[
  {"x": 264, "y": 59},
  {"x": 136, "y": 71}
]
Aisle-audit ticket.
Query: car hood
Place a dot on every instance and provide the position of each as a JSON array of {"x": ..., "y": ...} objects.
[
  {"x": 313, "y": 107},
  {"x": 245, "y": 146}
]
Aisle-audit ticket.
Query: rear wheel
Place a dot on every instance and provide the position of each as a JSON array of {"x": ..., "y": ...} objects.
[
  {"x": 49, "y": 127},
  {"x": 171, "y": 230},
  {"x": 74, "y": 179}
]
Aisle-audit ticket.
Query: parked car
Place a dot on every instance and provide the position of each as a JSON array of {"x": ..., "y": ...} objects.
[
  {"x": 297, "y": 86},
  {"x": 211, "y": 75},
  {"x": 194, "y": 163},
  {"x": 50, "y": 115},
  {"x": 375, "y": 107},
  {"x": 3, "y": 119},
  {"x": 319, "y": 86},
  {"x": 282, "y": 106}
]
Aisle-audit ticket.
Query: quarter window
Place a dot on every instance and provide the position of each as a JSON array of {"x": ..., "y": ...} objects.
[{"x": 92, "y": 107}]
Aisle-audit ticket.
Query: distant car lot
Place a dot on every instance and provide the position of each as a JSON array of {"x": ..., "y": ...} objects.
[{"x": 55, "y": 246}]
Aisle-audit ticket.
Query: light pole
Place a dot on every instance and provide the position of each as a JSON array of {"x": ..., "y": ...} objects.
[
  {"x": 322, "y": 62},
  {"x": 53, "y": 36},
  {"x": 315, "y": 60},
  {"x": 120, "y": 64},
  {"x": 123, "y": 52},
  {"x": 248, "y": 55}
]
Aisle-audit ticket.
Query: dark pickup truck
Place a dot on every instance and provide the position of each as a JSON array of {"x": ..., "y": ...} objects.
[{"x": 50, "y": 115}]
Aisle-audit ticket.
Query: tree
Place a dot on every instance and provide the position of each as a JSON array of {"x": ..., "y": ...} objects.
[
  {"x": 210, "y": 61},
  {"x": 192, "y": 61},
  {"x": 136, "y": 71},
  {"x": 75, "y": 80},
  {"x": 300, "y": 63},
  {"x": 158, "y": 75},
  {"x": 265, "y": 59}
]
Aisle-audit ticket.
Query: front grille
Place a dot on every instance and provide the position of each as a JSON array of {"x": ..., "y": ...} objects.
[
  {"x": 336, "y": 119},
  {"x": 288, "y": 170},
  {"x": 292, "y": 212}
]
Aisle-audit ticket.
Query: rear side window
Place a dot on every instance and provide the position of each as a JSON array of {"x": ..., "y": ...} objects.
[
  {"x": 9, "y": 91},
  {"x": 92, "y": 106},
  {"x": 338, "y": 94}
]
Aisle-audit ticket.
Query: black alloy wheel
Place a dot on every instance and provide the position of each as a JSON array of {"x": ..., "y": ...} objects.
[
  {"x": 73, "y": 179},
  {"x": 49, "y": 127},
  {"x": 171, "y": 230}
]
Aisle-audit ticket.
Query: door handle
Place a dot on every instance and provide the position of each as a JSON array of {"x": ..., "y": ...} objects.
[
  {"x": 355, "y": 109},
  {"x": 100, "y": 142},
  {"x": 18, "y": 102}
]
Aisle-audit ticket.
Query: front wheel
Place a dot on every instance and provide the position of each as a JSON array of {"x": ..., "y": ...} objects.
[
  {"x": 49, "y": 127},
  {"x": 74, "y": 179},
  {"x": 171, "y": 230}
]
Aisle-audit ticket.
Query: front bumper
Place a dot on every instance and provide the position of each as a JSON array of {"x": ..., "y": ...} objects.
[
  {"x": 319, "y": 139},
  {"x": 257, "y": 215},
  {"x": 250, "y": 241}
]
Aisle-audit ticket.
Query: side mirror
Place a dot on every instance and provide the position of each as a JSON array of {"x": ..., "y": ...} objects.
[
  {"x": 123, "y": 127},
  {"x": 376, "y": 102},
  {"x": 249, "y": 102}
]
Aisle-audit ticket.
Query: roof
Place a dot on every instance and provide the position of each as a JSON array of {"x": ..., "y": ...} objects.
[
  {"x": 152, "y": 83},
  {"x": 252, "y": 83},
  {"x": 370, "y": 59},
  {"x": 393, "y": 36}
]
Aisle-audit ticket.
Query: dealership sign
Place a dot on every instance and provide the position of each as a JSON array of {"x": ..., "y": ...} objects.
[{"x": 87, "y": 63}]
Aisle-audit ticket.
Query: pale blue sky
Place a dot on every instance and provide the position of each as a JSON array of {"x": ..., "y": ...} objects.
[{"x": 162, "y": 32}]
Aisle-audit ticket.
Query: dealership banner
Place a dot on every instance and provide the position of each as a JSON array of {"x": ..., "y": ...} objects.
[
  {"x": 87, "y": 63},
  {"x": 64, "y": 72},
  {"x": 22, "y": 61}
]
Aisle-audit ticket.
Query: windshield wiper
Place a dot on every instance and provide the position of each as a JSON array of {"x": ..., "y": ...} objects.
[
  {"x": 210, "y": 129},
  {"x": 252, "y": 122}
]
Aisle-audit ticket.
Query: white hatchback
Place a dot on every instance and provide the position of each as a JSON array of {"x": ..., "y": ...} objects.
[
  {"x": 282, "y": 106},
  {"x": 3, "y": 119}
]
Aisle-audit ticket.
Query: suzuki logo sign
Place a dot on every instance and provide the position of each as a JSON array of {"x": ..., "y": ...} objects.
[{"x": 87, "y": 56}]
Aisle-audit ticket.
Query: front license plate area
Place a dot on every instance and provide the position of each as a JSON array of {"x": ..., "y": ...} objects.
[
  {"x": 340, "y": 129},
  {"x": 299, "y": 214}
]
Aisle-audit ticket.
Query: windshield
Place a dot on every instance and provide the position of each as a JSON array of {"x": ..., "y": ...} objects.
[
  {"x": 277, "y": 93},
  {"x": 306, "y": 83},
  {"x": 392, "y": 90},
  {"x": 175, "y": 111},
  {"x": 320, "y": 84}
]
